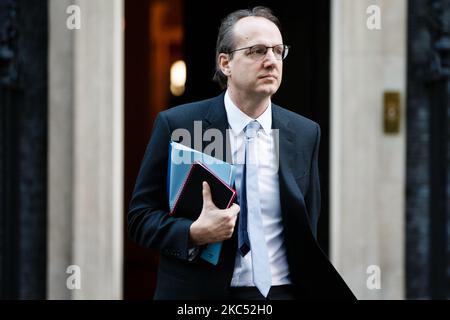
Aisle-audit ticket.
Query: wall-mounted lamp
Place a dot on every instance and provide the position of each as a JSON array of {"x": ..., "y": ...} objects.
[{"x": 178, "y": 78}]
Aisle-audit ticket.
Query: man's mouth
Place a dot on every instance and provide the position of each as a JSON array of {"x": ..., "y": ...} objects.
[{"x": 268, "y": 76}]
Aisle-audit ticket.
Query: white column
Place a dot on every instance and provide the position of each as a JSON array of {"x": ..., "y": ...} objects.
[
  {"x": 367, "y": 165},
  {"x": 60, "y": 151},
  {"x": 86, "y": 155}
]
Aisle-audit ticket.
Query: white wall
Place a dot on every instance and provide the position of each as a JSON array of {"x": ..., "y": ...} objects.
[
  {"x": 85, "y": 222},
  {"x": 367, "y": 165}
]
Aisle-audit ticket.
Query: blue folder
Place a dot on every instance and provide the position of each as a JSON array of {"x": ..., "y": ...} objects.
[{"x": 181, "y": 159}]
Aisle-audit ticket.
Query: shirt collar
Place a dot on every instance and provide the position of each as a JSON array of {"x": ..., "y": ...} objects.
[{"x": 238, "y": 120}]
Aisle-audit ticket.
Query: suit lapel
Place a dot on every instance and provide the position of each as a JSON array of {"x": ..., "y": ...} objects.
[
  {"x": 285, "y": 147},
  {"x": 293, "y": 206},
  {"x": 216, "y": 118}
]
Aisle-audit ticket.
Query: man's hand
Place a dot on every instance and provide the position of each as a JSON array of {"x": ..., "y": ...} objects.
[{"x": 213, "y": 224}]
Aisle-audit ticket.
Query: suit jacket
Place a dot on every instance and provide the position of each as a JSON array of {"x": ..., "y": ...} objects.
[{"x": 150, "y": 225}]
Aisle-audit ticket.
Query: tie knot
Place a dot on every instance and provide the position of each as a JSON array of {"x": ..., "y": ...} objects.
[{"x": 251, "y": 129}]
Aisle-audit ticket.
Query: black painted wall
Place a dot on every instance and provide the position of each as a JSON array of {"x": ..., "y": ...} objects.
[
  {"x": 23, "y": 148},
  {"x": 428, "y": 184}
]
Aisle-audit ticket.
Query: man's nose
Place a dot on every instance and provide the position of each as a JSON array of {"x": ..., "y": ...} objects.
[{"x": 269, "y": 58}]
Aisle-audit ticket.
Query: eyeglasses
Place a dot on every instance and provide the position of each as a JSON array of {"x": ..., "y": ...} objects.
[{"x": 259, "y": 51}]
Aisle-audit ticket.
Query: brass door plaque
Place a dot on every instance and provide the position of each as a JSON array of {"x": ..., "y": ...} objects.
[{"x": 392, "y": 112}]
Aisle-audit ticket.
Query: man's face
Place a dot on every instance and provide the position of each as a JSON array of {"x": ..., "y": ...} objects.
[{"x": 250, "y": 76}]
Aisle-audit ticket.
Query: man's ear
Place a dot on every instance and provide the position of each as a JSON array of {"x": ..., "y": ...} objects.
[{"x": 224, "y": 63}]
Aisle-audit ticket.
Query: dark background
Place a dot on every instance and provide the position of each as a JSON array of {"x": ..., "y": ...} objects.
[{"x": 23, "y": 149}]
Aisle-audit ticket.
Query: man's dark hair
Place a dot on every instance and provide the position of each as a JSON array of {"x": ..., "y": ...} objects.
[{"x": 225, "y": 38}]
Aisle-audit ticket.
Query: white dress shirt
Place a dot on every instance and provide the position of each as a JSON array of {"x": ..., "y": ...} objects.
[{"x": 269, "y": 194}]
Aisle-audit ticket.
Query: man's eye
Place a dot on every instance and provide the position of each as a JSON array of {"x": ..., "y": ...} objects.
[
  {"x": 258, "y": 50},
  {"x": 278, "y": 51}
]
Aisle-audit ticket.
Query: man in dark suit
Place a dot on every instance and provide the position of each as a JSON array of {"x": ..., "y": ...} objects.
[{"x": 270, "y": 247}]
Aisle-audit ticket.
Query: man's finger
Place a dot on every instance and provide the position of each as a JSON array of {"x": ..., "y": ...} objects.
[
  {"x": 207, "y": 199},
  {"x": 235, "y": 209}
]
